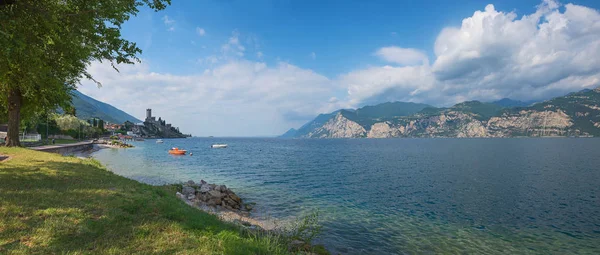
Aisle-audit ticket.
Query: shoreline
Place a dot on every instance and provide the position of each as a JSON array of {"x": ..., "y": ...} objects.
[
  {"x": 238, "y": 217},
  {"x": 233, "y": 216},
  {"x": 78, "y": 206}
]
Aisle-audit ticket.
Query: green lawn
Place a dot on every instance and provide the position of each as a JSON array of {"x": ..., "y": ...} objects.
[{"x": 51, "y": 204}]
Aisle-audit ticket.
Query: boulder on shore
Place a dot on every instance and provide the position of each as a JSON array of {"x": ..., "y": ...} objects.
[
  {"x": 186, "y": 190},
  {"x": 203, "y": 193}
]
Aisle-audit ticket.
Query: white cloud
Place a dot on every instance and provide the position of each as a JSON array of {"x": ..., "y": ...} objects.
[
  {"x": 313, "y": 55},
  {"x": 233, "y": 47},
  {"x": 403, "y": 56},
  {"x": 169, "y": 23},
  {"x": 239, "y": 97},
  {"x": 393, "y": 34},
  {"x": 493, "y": 54},
  {"x": 200, "y": 31}
]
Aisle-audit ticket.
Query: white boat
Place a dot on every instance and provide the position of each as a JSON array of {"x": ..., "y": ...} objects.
[
  {"x": 159, "y": 141},
  {"x": 219, "y": 146}
]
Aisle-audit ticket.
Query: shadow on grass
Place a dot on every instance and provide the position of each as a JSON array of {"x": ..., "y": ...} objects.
[{"x": 72, "y": 206}]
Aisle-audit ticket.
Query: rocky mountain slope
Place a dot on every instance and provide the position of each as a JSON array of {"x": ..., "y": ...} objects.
[{"x": 576, "y": 114}]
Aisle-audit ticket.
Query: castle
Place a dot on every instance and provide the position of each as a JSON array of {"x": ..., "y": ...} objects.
[{"x": 158, "y": 128}]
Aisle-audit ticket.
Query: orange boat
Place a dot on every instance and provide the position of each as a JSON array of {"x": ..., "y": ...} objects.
[{"x": 177, "y": 151}]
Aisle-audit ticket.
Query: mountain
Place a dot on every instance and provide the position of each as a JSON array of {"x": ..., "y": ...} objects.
[
  {"x": 88, "y": 107},
  {"x": 507, "y": 102},
  {"x": 364, "y": 116},
  {"x": 369, "y": 115},
  {"x": 576, "y": 114},
  {"x": 309, "y": 127},
  {"x": 290, "y": 133}
]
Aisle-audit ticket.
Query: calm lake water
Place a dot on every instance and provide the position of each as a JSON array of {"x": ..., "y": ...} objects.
[{"x": 402, "y": 196}]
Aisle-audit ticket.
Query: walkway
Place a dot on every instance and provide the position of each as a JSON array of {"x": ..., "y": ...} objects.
[{"x": 60, "y": 146}]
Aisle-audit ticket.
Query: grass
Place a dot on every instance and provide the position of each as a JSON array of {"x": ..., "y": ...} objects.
[{"x": 51, "y": 204}]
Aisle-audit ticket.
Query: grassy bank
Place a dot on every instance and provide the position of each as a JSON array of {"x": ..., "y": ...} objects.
[{"x": 52, "y": 204}]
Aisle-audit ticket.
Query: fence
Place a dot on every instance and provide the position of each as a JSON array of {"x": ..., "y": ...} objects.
[
  {"x": 31, "y": 138},
  {"x": 24, "y": 138}
]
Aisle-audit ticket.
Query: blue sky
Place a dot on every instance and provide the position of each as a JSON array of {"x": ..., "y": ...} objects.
[{"x": 272, "y": 65}]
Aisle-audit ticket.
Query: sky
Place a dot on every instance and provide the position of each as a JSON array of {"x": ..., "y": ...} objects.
[{"x": 259, "y": 68}]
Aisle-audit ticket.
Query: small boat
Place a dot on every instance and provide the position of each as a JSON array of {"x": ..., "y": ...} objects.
[
  {"x": 219, "y": 146},
  {"x": 177, "y": 151},
  {"x": 159, "y": 141}
]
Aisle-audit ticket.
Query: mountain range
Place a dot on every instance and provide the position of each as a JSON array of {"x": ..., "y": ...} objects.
[
  {"x": 88, "y": 108},
  {"x": 575, "y": 114}
]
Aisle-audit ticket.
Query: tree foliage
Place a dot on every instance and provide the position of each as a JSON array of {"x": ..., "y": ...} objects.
[
  {"x": 69, "y": 122},
  {"x": 46, "y": 46}
]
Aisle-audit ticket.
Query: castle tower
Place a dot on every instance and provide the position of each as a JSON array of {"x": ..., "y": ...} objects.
[{"x": 148, "y": 114}]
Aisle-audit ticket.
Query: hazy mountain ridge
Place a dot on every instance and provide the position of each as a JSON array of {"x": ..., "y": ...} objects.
[
  {"x": 507, "y": 102},
  {"x": 88, "y": 107},
  {"x": 576, "y": 114}
]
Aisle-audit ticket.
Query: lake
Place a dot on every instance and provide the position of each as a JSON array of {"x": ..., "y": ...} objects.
[{"x": 401, "y": 196}]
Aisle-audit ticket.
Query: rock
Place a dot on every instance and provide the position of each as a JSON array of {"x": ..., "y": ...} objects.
[
  {"x": 203, "y": 197},
  {"x": 221, "y": 188},
  {"x": 190, "y": 183},
  {"x": 204, "y": 188},
  {"x": 188, "y": 190},
  {"x": 215, "y": 194},
  {"x": 249, "y": 206},
  {"x": 202, "y": 182},
  {"x": 235, "y": 198},
  {"x": 214, "y": 201},
  {"x": 191, "y": 196},
  {"x": 242, "y": 222},
  {"x": 179, "y": 195},
  {"x": 212, "y": 186},
  {"x": 228, "y": 201}
]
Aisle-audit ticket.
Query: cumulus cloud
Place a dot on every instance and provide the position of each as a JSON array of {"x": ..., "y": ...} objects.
[
  {"x": 402, "y": 56},
  {"x": 200, "y": 31},
  {"x": 239, "y": 97},
  {"x": 493, "y": 54},
  {"x": 169, "y": 23}
]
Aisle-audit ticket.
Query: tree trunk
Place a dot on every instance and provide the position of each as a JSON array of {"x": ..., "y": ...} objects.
[{"x": 14, "y": 117}]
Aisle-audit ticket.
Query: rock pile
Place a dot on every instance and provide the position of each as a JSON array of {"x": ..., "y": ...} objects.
[{"x": 204, "y": 193}]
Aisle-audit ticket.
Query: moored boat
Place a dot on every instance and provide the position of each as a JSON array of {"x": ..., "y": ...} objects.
[
  {"x": 159, "y": 141},
  {"x": 177, "y": 151},
  {"x": 219, "y": 146}
]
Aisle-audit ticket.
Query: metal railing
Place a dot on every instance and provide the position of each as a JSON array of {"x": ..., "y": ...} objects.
[{"x": 31, "y": 138}]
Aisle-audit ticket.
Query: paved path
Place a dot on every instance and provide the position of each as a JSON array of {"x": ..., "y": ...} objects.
[{"x": 59, "y": 146}]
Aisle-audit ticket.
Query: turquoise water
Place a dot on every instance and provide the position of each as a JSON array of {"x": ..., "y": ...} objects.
[{"x": 402, "y": 196}]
